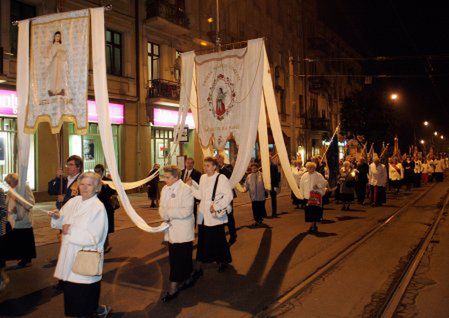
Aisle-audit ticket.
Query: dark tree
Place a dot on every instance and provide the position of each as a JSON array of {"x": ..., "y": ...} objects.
[{"x": 369, "y": 114}]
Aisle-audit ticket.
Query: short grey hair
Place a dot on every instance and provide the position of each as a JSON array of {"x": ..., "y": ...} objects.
[
  {"x": 173, "y": 170},
  {"x": 12, "y": 177},
  {"x": 95, "y": 177},
  {"x": 311, "y": 164}
]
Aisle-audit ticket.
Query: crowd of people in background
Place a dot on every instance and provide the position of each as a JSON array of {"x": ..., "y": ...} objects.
[{"x": 85, "y": 207}]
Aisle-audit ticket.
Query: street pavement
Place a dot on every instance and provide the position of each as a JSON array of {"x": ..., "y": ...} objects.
[
  {"x": 267, "y": 263},
  {"x": 359, "y": 284}
]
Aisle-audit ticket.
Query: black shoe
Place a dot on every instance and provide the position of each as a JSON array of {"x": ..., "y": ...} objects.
[
  {"x": 167, "y": 297},
  {"x": 274, "y": 215},
  {"x": 188, "y": 284},
  {"x": 232, "y": 240},
  {"x": 24, "y": 263},
  {"x": 313, "y": 229},
  {"x": 103, "y": 311},
  {"x": 222, "y": 267},
  {"x": 197, "y": 274}
]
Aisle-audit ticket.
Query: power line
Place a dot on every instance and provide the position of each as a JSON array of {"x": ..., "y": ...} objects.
[
  {"x": 373, "y": 75},
  {"x": 375, "y": 58}
]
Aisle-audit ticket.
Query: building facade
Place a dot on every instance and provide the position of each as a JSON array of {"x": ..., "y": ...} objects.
[{"x": 143, "y": 43}]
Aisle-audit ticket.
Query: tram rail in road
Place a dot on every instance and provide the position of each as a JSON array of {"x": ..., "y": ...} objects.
[{"x": 393, "y": 300}]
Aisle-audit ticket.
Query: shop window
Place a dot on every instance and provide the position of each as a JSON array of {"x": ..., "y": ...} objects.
[
  {"x": 153, "y": 61},
  {"x": 113, "y": 52},
  {"x": 89, "y": 146},
  {"x": 8, "y": 150},
  {"x": 19, "y": 11},
  {"x": 162, "y": 143}
]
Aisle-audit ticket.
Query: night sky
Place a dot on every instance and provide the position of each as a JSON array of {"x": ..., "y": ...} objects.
[{"x": 408, "y": 31}]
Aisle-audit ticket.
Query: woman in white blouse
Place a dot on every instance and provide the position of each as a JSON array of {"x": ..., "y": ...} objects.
[
  {"x": 176, "y": 208},
  {"x": 312, "y": 181},
  {"x": 212, "y": 215},
  {"x": 84, "y": 224}
]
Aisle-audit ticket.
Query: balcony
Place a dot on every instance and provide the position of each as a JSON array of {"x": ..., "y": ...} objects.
[
  {"x": 167, "y": 18},
  {"x": 319, "y": 123},
  {"x": 163, "y": 92}
]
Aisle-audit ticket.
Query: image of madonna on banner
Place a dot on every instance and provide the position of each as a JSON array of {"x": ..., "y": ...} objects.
[
  {"x": 230, "y": 94},
  {"x": 52, "y": 81}
]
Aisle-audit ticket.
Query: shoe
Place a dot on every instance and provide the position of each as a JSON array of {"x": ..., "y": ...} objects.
[
  {"x": 313, "y": 229},
  {"x": 232, "y": 240},
  {"x": 188, "y": 284},
  {"x": 108, "y": 249},
  {"x": 197, "y": 274},
  {"x": 103, "y": 311},
  {"x": 275, "y": 215},
  {"x": 167, "y": 297},
  {"x": 222, "y": 267},
  {"x": 23, "y": 263}
]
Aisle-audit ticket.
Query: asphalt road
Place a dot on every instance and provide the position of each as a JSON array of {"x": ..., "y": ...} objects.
[{"x": 267, "y": 263}]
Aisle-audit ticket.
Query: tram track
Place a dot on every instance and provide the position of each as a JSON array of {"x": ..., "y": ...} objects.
[{"x": 389, "y": 302}]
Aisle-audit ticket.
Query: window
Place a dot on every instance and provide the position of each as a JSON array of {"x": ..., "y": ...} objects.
[
  {"x": 113, "y": 52},
  {"x": 314, "y": 107},
  {"x": 177, "y": 69},
  {"x": 19, "y": 11},
  {"x": 302, "y": 112},
  {"x": 153, "y": 61}
]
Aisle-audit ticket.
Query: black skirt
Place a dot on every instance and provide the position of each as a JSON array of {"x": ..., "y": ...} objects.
[
  {"x": 18, "y": 244},
  {"x": 212, "y": 245},
  {"x": 378, "y": 195},
  {"x": 180, "y": 257},
  {"x": 81, "y": 299},
  {"x": 313, "y": 213}
]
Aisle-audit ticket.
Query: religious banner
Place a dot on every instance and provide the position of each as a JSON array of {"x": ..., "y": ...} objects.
[
  {"x": 229, "y": 87},
  {"x": 59, "y": 49}
]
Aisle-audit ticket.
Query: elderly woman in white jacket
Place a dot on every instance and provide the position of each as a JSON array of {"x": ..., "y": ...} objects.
[
  {"x": 84, "y": 224},
  {"x": 212, "y": 216},
  {"x": 176, "y": 208},
  {"x": 313, "y": 182}
]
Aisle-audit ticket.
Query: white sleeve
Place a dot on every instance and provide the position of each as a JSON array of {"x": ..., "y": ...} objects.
[
  {"x": 185, "y": 209},
  {"x": 92, "y": 234},
  {"x": 223, "y": 195}
]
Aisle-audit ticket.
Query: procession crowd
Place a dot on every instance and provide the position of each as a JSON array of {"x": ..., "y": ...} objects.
[{"x": 189, "y": 201}]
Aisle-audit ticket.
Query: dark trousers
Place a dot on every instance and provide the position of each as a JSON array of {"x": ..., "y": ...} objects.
[
  {"x": 360, "y": 189},
  {"x": 231, "y": 223},
  {"x": 274, "y": 203},
  {"x": 259, "y": 211}
]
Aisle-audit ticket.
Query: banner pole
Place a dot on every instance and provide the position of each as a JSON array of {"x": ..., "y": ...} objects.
[{"x": 333, "y": 136}]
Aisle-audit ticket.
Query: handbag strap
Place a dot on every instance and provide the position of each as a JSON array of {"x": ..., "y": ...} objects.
[{"x": 215, "y": 187}]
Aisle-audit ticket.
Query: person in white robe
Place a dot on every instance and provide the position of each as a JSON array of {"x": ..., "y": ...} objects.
[
  {"x": 84, "y": 225},
  {"x": 212, "y": 216},
  {"x": 176, "y": 208},
  {"x": 377, "y": 178},
  {"x": 298, "y": 170},
  {"x": 312, "y": 188}
]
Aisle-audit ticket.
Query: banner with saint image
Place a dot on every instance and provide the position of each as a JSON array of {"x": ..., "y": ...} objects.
[{"x": 59, "y": 57}]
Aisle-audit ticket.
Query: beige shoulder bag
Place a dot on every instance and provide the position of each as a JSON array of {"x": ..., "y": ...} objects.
[{"x": 88, "y": 262}]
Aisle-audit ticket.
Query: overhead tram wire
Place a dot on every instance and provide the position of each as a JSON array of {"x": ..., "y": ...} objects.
[
  {"x": 379, "y": 58},
  {"x": 373, "y": 75}
]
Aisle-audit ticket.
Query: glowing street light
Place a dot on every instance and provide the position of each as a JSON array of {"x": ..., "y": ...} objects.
[
  {"x": 436, "y": 133},
  {"x": 422, "y": 141},
  {"x": 394, "y": 97},
  {"x": 426, "y": 123},
  {"x": 442, "y": 137}
]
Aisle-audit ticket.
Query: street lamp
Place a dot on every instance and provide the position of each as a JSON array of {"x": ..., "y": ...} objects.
[
  {"x": 436, "y": 133},
  {"x": 426, "y": 123},
  {"x": 422, "y": 141},
  {"x": 442, "y": 137},
  {"x": 394, "y": 96}
]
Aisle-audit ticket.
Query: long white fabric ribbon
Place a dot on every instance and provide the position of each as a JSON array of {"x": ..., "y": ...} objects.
[
  {"x": 22, "y": 84},
  {"x": 135, "y": 184},
  {"x": 104, "y": 124}
]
